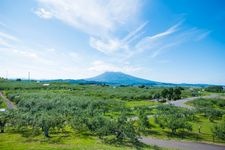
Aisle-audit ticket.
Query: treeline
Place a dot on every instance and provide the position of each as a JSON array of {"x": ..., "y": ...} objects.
[{"x": 217, "y": 89}]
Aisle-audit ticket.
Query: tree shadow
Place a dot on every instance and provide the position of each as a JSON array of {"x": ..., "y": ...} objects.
[
  {"x": 150, "y": 132},
  {"x": 137, "y": 144},
  {"x": 184, "y": 135}
]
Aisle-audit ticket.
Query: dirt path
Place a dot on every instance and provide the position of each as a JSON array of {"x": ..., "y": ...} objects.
[
  {"x": 181, "y": 145},
  {"x": 9, "y": 104}
]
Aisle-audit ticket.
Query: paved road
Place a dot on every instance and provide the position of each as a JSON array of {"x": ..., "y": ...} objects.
[
  {"x": 9, "y": 104},
  {"x": 181, "y": 145},
  {"x": 181, "y": 102}
]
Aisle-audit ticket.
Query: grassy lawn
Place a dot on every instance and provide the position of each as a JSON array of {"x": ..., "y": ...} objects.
[
  {"x": 205, "y": 134},
  {"x": 205, "y": 128},
  {"x": 132, "y": 104},
  {"x": 10, "y": 141},
  {"x": 2, "y": 103}
]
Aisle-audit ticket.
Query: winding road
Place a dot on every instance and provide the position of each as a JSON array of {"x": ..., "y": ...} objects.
[
  {"x": 183, "y": 145},
  {"x": 9, "y": 104},
  {"x": 181, "y": 102}
]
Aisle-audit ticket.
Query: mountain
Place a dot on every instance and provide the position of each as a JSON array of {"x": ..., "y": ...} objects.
[{"x": 119, "y": 78}]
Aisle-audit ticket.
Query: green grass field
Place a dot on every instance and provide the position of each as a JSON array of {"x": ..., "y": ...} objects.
[
  {"x": 2, "y": 104},
  {"x": 9, "y": 141},
  {"x": 59, "y": 141},
  {"x": 205, "y": 134},
  {"x": 132, "y": 104}
]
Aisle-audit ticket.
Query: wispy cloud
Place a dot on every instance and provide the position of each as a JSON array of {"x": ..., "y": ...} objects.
[
  {"x": 8, "y": 36},
  {"x": 170, "y": 38},
  {"x": 95, "y": 17},
  {"x": 202, "y": 35},
  {"x": 157, "y": 43},
  {"x": 112, "y": 45},
  {"x": 105, "y": 19},
  {"x": 17, "y": 59},
  {"x": 100, "y": 19},
  {"x": 6, "y": 39},
  {"x": 3, "y": 24},
  {"x": 9, "y": 43}
]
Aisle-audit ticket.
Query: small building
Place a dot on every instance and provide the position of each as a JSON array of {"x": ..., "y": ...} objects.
[
  {"x": 2, "y": 109},
  {"x": 45, "y": 84}
]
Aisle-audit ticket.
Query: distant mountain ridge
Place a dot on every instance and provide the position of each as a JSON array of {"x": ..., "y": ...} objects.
[{"x": 121, "y": 79}]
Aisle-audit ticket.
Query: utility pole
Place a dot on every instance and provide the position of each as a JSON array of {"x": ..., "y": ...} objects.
[
  {"x": 29, "y": 76},
  {"x": 6, "y": 77}
]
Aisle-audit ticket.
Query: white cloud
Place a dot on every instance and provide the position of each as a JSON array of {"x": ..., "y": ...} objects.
[
  {"x": 100, "y": 19},
  {"x": 95, "y": 17},
  {"x": 4, "y": 43},
  {"x": 103, "y": 20},
  {"x": 112, "y": 45},
  {"x": 41, "y": 12},
  {"x": 108, "y": 47}
]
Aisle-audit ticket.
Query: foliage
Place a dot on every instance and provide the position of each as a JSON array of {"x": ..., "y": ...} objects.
[
  {"x": 171, "y": 93},
  {"x": 48, "y": 110},
  {"x": 97, "y": 111},
  {"x": 213, "y": 103},
  {"x": 217, "y": 89},
  {"x": 210, "y": 108},
  {"x": 4, "y": 119},
  {"x": 143, "y": 122},
  {"x": 219, "y": 129},
  {"x": 174, "y": 118},
  {"x": 2, "y": 103}
]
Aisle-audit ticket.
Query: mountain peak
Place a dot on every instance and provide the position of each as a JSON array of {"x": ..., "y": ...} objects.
[
  {"x": 120, "y": 78},
  {"x": 113, "y": 72}
]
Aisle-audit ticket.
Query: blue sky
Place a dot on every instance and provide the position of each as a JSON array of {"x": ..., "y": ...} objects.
[{"x": 162, "y": 40}]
